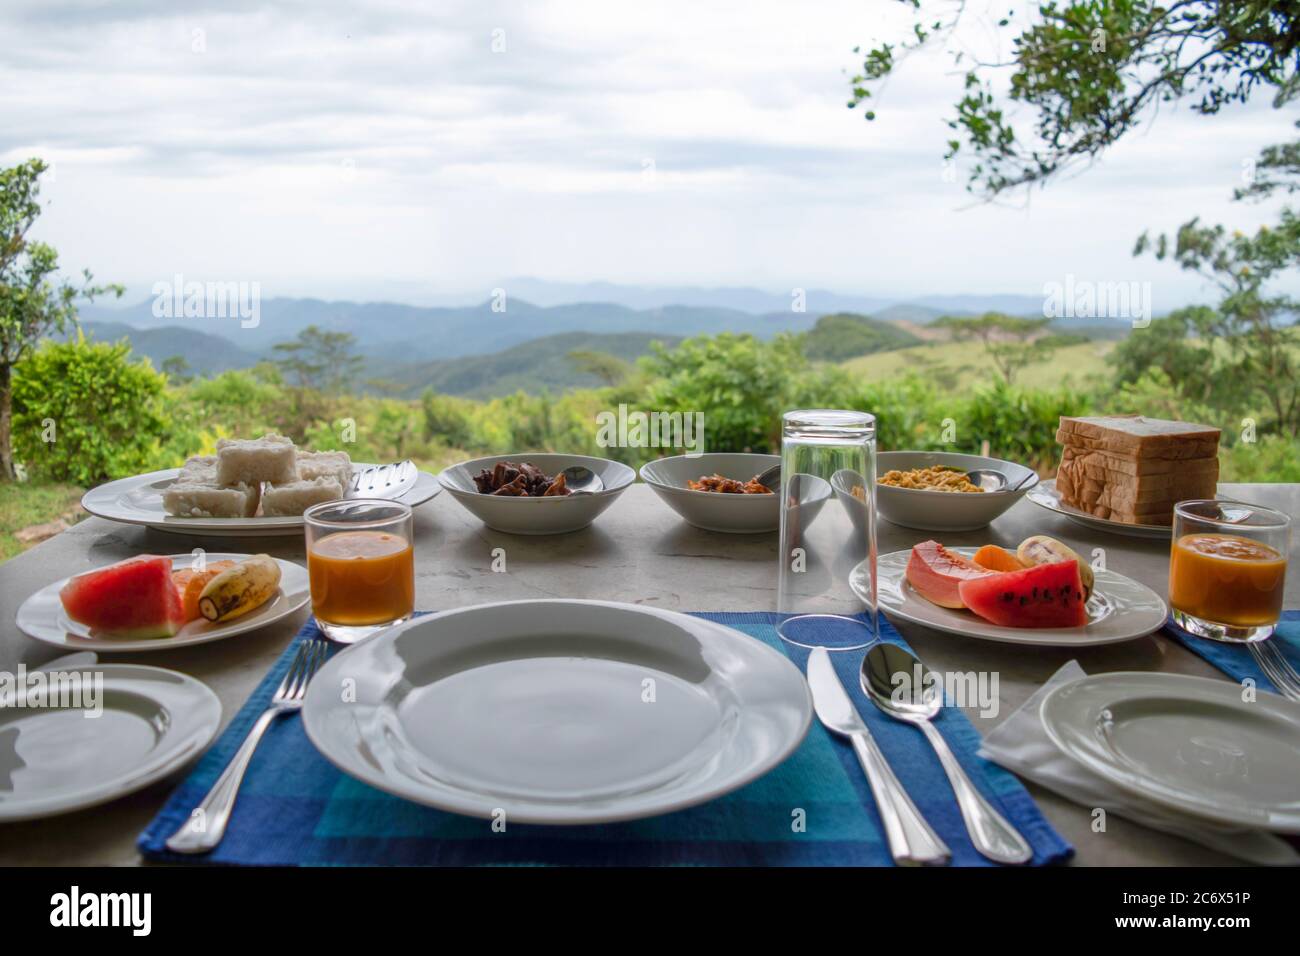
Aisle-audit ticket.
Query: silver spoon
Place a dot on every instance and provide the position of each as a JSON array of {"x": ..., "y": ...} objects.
[
  {"x": 768, "y": 477},
  {"x": 582, "y": 481},
  {"x": 992, "y": 480},
  {"x": 899, "y": 684}
]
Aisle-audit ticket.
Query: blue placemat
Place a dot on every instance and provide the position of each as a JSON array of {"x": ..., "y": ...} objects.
[
  {"x": 1234, "y": 659},
  {"x": 296, "y": 809}
]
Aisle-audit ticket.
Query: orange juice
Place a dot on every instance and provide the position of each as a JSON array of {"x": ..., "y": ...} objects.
[
  {"x": 1227, "y": 579},
  {"x": 361, "y": 577}
]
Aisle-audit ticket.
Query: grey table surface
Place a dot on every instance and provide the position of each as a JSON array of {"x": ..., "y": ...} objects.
[{"x": 639, "y": 551}]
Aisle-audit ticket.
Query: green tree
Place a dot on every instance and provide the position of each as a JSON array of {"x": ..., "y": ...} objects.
[
  {"x": 85, "y": 413},
  {"x": 1250, "y": 341},
  {"x": 321, "y": 360},
  {"x": 740, "y": 383},
  {"x": 34, "y": 302},
  {"x": 1012, "y": 343},
  {"x": 610, "y": 370},
  {"x": 1088, "y": 72},
  {"x": 447, "y": 419}
]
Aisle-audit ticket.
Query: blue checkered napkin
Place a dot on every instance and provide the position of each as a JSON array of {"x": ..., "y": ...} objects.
[
  {"x": 1235, "y": 660},
  {"x": 296, "y": 809}
]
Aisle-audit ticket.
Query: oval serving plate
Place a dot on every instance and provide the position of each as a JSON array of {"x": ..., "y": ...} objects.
[{"x": 138, "y": 500}]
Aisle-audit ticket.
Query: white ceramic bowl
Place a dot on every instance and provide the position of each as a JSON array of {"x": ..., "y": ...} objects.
[
  {"x": 556, "y": 515},
  {"x": 945, "y": 510},
  {"x": 731, "y": 514}
]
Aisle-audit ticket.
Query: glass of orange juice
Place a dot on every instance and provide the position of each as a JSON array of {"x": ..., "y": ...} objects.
[
  {"x": 361, "y": 564},
  {"x": 1227, "y": 569}
]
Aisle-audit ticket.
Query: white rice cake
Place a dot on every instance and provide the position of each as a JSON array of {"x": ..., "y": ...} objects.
[
  {"x": 201, "y": 469},
  {"x": 325, "y": 464},
  {"x": 195, "y": 499},
  {"x": 295, "y": 497},
  {"x": 247, "y": 461}
]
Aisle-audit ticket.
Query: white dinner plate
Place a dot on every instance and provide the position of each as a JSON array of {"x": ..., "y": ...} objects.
[
  {"x": 42, "y": 616},
  {"x": 559, "y": 712},
  {"x": 1045, "y": 495},
  {"x": 1120, "y": 609},
  {"x": 54, "y": 759},
  {"x": 1190, "y": 743},
  {"x": 138, "y": 500}
]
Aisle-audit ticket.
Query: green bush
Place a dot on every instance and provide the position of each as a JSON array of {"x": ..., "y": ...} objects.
[
  {"x": 1019, "y": 424},
  {"x": 741, "y": 384},
  {"x": 85, "y": 413}
]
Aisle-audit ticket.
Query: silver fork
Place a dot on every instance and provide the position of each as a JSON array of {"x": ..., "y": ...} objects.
[
  {"x": 383, "y": 481},
  {"x": 1276, "y": 667},
  {"x": 207, "y": 824}
]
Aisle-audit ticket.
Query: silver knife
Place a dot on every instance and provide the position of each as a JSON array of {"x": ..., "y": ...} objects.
[{"x": 912, "y": 842}]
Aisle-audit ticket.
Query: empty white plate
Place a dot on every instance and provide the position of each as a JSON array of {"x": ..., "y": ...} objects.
[
  {"x": 1120, "y": 609},
  {"x": 1190, "y": 743},
  {"x": 562, "y": 712},
  {"x": 54, "y": 759},
  {"x": 41, "y": 616},
  {"x": 138, "y": 500}
]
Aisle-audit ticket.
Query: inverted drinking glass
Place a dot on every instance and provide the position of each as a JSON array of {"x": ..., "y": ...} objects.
[{"x": 828, "y": 527}]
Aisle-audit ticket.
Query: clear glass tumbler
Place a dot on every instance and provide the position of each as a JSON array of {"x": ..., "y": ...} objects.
[
  {"x": 361, "y": 563},
  {"x": 1227, "y": 569},
  {"x": 828, "y": 521}
]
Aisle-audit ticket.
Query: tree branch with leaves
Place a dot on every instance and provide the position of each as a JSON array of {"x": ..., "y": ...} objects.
[{"x": 34, "y": 302}]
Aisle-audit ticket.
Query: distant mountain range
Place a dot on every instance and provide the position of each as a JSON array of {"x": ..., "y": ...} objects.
[{"x": 509, "y": 342}]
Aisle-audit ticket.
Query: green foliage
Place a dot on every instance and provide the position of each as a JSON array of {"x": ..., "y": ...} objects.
[
  {"x": 1011, "y": 343},
  {"x": 1019, "y": 424},
  {"x": 844, "y": 336},
  {"x": 447, "y": 419},
  {"x": 321, "y": 360},
  {"x": 1272, "y": 458},
  {"x": 85, "y": 413},
  {"x": 1249, "y": 345},
  {"x": 34, "y": 303},
  {"x": 741, "y": 384},
  {"x": 1090, "y": 71}
]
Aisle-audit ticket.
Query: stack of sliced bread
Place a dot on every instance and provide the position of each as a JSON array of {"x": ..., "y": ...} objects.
[{"x": 1133, "y": 469}]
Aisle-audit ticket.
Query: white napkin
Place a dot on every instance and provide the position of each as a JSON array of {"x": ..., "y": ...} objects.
[{"x": 1021, "y": 745}]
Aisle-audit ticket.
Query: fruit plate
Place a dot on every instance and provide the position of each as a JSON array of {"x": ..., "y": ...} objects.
[
  {"x": 138, "y": 500},
  {"x": 1045, "y": 495},
  {"x": 42, "y": 616},
  {"x": 1120, "y": 609}
]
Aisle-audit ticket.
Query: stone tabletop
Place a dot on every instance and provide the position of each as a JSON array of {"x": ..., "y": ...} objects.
[{"x": 639, "y": 551}]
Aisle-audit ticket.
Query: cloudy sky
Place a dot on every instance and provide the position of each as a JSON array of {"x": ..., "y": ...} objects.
[{"x": 426, "y": 151}]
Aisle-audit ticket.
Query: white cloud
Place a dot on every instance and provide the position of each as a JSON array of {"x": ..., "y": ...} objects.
[{"x": 383, "y": 149}]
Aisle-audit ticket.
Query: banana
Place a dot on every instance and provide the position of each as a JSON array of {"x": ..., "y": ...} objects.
[
  {"x": 1040, "y": 549},
  {"x": 238, "y": 590}
]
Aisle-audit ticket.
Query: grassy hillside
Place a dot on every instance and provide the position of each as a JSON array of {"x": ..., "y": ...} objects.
[
  {"x": 845, "y": 335},
  {"x": 539, "y": 365},
  {"x": 958, "y": 366}
]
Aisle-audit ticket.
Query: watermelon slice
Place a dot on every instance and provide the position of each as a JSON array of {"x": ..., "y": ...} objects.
[
  {"x": 935, "y": 572},
  {"x": 1046, "y": 595},
  {"x": 134, "y": 600}
]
